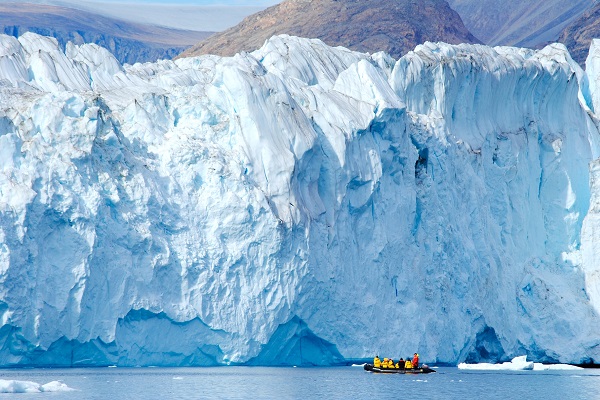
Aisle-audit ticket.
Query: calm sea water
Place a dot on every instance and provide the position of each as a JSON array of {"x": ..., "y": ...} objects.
[{"x": 307, "y": 383}]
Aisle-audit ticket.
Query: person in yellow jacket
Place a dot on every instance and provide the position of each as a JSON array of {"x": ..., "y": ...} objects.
[
  {"x": 385, "y": 363},
  {"x": 408, "y": 364},
  {"x": 377, "y": 362},
  {"x": 391, "y": 363}
]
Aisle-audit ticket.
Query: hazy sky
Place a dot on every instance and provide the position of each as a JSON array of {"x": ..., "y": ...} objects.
[
  {"x": 199, "y": 15},
  {"x": 194, "y": 2},
  {"x": 253, "y": 3}
]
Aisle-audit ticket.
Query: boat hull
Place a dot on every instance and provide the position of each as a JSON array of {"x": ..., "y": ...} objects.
[{"x": 423, "y": 370}]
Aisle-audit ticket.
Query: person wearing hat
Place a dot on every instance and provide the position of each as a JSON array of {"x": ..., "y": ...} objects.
[
  {"x": 415, "y": 361},
  {"x": 376, "y": 362}
]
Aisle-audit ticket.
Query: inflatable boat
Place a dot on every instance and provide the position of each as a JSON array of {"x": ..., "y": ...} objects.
[{"x": 422, "y": 370}]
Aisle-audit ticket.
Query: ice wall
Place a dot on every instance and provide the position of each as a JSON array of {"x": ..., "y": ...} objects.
[
  {"x": 297, "y": 205},
  {"x": 590, "y": 234}
]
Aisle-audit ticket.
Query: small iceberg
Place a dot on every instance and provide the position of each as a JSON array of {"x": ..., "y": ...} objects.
[
  {"x": 12, "y": 386},
  {"x": 554, "y": 367},
  {"x": 517, "y": 364}
]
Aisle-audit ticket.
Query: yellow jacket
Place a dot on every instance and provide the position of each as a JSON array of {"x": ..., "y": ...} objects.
[
  {"x": 408, "y": 364},
  {"x": 377, "y": 362}
]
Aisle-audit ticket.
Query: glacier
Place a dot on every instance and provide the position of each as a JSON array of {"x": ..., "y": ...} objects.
[{"x": 298, "y": 205}]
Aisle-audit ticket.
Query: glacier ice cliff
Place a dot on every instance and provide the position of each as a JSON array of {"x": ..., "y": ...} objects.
[{"x": 298, "y": 205}]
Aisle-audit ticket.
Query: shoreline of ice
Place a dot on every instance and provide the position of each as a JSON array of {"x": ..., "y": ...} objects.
[{"x": 517, "y": 364}]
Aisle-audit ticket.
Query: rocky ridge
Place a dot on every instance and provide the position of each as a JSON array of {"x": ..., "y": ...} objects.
[
  {"x": 579, "y": 34},
  {"x": 393, "y": 26},
  {"x": 518, "y": 23}
]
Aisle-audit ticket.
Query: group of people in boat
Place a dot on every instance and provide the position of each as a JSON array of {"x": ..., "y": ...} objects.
[{"x": 388, "y": 363}]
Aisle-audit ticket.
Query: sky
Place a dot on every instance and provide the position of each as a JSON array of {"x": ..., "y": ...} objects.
[
  {"x": 251, "y": 3},
  {"x": 192, "y": 2},
  {"x": 198, "y": 15}
]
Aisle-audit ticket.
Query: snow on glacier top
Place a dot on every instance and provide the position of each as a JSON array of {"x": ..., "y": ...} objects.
[{"x": 292, "y": 204}]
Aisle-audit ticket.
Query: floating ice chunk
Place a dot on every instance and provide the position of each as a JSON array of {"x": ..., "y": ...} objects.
[
  {"x": 56, "y": 386},
  {"x": 519, "y": 364},
  {"x": 13, "y": 386},
  {"x": 554, "y": 367},
  {"x": 19, "y": 387},
  {"x": 516, "y": 364}
]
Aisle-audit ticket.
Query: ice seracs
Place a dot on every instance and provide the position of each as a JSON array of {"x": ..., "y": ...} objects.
[{"x": 280, "y": 206}]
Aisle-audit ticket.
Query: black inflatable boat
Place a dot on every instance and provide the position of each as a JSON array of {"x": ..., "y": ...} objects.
[{"x": 422, "y": 370}]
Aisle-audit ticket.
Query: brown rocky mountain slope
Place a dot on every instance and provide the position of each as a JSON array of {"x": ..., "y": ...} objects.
[
  {"x": 528, "y": 23},
  {"x": 579, "y": 34},
  {"x": 393, "y": 26}
]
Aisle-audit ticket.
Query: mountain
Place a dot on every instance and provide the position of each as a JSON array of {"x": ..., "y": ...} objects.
[
  {"x": 129, "y": 42},
  {"x": 393, "y": 26},
  {"x": 518, "y": 23},
  {"x": 297, "y": 205},
  {"x": 579, "y": 34},
  {"x": 179, "y": 15}
]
